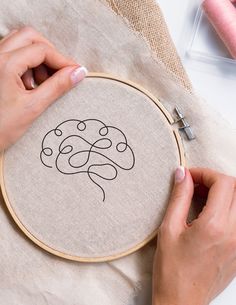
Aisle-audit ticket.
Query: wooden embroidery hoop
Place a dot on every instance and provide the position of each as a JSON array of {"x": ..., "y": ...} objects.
[{"x": 51, "y": 250}]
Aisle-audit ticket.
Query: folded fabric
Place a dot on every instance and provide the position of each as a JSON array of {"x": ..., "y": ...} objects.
[{"x": 92, "y": 34}]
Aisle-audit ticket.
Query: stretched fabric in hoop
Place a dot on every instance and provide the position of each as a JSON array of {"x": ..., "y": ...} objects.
[{"x": 100, "y": 171}]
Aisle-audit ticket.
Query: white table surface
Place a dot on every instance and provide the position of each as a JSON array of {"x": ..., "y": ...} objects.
[{"x": 215, "y": 87}]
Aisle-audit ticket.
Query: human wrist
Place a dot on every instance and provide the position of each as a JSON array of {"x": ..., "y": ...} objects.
[
  {"x": 177, "y": 303},
  {"x": 191, "y": 300}
]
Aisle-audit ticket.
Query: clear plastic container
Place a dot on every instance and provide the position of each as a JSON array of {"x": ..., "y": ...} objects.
[{"x": 200, "y": 46}]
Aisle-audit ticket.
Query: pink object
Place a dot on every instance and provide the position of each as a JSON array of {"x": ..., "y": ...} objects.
[{"x": 222, "y": 15}]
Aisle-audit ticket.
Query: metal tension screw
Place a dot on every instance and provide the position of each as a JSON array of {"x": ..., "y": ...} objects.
[{"x": 186, "y": 128}]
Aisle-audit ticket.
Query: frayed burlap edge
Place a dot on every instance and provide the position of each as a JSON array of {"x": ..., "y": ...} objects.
[{"x": 145, "y": 17}]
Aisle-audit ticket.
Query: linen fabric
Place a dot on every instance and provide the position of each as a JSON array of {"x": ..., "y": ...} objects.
[
  {"x": 96, "y": 37},
  {"x": 145, "y": 17}
]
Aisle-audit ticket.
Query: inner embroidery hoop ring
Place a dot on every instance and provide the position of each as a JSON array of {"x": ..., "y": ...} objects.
[{"x": 51, "y": 250}]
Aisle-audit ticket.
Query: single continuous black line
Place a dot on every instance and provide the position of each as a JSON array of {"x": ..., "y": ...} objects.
[
  {"x": 58, "y": 132},
  {"x": 116, "y": 173}
]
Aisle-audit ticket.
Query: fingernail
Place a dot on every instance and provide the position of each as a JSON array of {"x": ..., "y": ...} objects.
[
  {"x": 78, "y": 75},
  {"x": 179, "y": 174},
  {"x": 33, "y": 83}
]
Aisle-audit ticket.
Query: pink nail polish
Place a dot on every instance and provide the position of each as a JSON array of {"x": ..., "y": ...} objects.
[
  {"x": 179, "y": 174},
  {"x": 78, "y": 75}
]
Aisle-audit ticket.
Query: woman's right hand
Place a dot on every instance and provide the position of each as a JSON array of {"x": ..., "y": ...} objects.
[{"x": 195, "y": 262}]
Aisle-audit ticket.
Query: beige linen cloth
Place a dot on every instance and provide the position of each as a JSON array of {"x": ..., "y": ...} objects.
[{"x": 132, "y": 43}]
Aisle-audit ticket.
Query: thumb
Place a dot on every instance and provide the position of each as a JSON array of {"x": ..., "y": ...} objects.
[
  {"x": 56, "y": 85},
  {"x": 181, "y": 197}
]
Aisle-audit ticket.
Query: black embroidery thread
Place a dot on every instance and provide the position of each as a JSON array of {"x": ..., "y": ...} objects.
[{"x": 94, "y": 150}]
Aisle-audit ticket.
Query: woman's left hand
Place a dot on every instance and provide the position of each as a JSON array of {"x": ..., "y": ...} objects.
[{"x": 33, "y": 74}]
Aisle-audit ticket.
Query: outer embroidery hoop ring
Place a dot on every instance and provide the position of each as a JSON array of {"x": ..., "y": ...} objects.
[{"x": 51, "y": 250}]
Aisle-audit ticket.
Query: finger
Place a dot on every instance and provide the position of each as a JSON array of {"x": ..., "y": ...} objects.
[
  {"x": 28, "y": 80},
  {"x": 54, "y": 87},
  {"x": 20, "y": 60},
  {"x": 21, "y": 38},
  {"x": 221, "y": 190},
  {"x": 41, "y": 74},
  {"x": 181, "y": 197}
]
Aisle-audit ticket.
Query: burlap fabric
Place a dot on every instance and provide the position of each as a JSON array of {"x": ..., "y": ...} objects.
[
  {"x": 145, "y": 17},
  {"x": 96, "y": 37}
]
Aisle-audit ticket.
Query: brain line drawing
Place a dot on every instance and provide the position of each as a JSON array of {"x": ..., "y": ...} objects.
[{"x": 87, "y": 147}]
